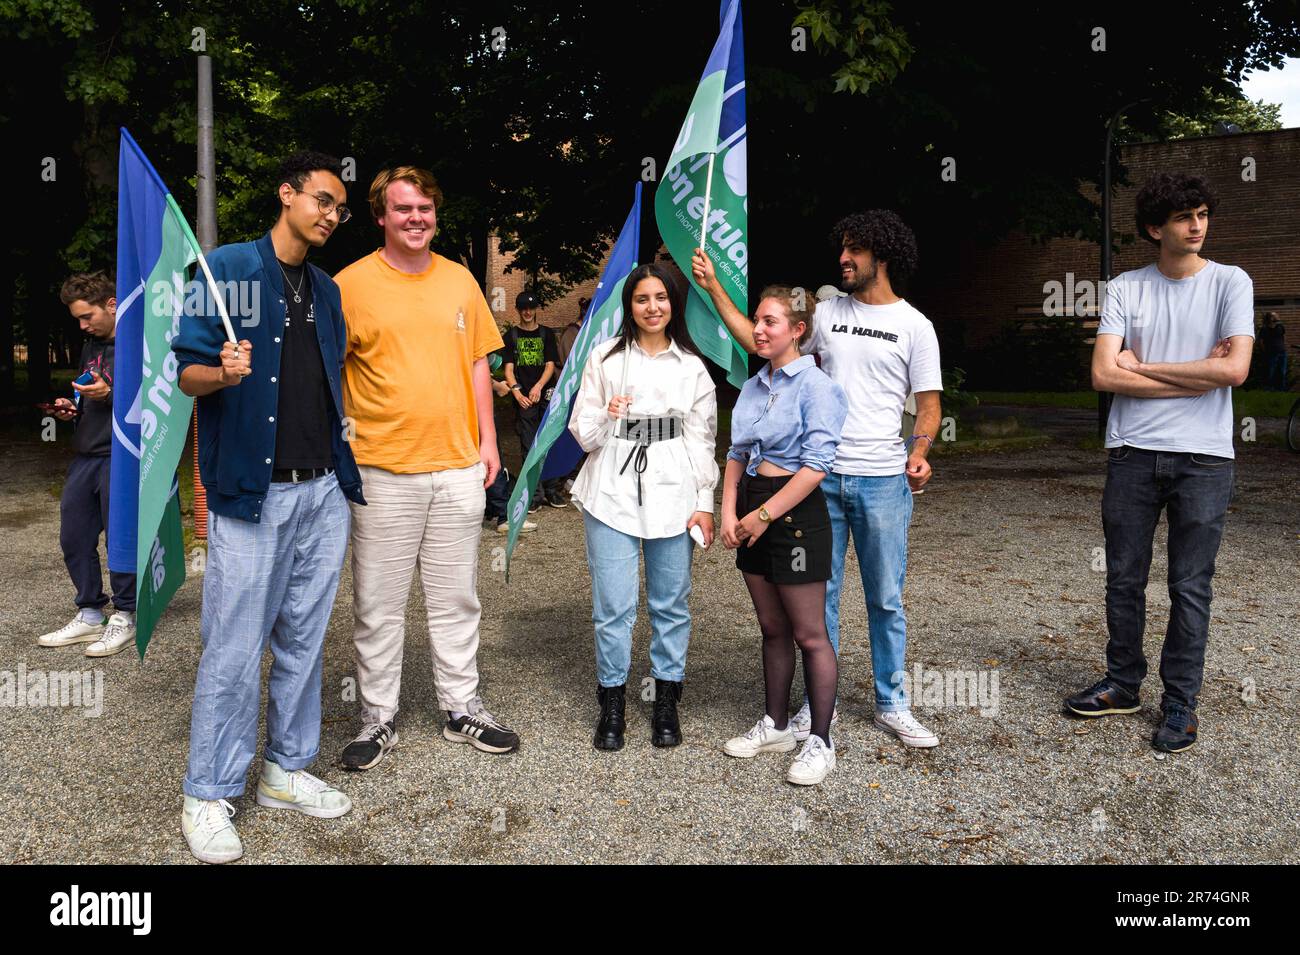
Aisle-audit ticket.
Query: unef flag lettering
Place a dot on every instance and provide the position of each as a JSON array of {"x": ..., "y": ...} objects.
[
  {"x": 714, "y": 127},
  {"x": 151, "y": 416}
]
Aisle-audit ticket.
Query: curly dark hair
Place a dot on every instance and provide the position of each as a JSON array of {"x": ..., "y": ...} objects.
[
  {"x": 885, "y": 235},
  {"x": 1166, "y": 193},
  {"x": 297, "y": 168}
]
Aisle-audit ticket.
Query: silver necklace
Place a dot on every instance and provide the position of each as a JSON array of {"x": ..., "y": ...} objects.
[{"x": 297, "y": 297}]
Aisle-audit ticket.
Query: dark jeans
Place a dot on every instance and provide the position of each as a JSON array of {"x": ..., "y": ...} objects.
[
  {"x": 527, "y": 421},
  {"x": 83, "y": 515},
  {"x": 1275, "y": 371},
  {"x": 1195, "y": 490},
  {"x": 498, "y": 496}
]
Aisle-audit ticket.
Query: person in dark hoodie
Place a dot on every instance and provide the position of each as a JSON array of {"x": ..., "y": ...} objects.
[{"x": 83, "y": 507}]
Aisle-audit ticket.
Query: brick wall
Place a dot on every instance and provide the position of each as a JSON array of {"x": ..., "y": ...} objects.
[
  {"x": 1256, "y": 227},
  {"x": 557, "y": 314}
]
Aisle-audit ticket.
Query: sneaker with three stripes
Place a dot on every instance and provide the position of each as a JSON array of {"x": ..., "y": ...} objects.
[{"x": 480, "y": 729}]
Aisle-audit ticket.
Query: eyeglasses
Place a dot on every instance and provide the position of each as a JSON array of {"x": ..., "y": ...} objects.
[{"x": 327, "y": 205}]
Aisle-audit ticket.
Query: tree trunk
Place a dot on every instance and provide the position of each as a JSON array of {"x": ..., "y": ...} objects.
[
  {"x": 7, "y": 395},
  {"x": 36, "y": 320},
  {"x": 478, "y": 255}
]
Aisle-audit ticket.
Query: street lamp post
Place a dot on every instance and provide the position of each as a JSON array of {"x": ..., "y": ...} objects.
[{"x": 1104, "y": 397}]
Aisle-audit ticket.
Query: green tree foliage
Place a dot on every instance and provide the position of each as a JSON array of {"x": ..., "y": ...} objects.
[
  {"x": 1249, "y": 116},
  {"x": 537, "y": 117}
]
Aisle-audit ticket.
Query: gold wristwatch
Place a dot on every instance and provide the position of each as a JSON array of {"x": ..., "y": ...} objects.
[{"x": 763, "y": 516}]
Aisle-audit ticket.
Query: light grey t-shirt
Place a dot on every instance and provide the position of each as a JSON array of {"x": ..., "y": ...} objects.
[{"x": 1176, "y": 320}]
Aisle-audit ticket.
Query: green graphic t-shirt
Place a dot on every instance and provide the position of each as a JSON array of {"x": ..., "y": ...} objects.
[{"x": 530, "y": 351}]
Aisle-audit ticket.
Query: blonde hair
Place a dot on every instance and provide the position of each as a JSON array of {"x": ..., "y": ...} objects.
[
  {"x": 422, "y": 179},
  {"x": 798, "y": 305}
]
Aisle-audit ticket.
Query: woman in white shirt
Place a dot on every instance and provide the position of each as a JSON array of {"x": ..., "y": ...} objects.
[{"x": 647, "y": 416}]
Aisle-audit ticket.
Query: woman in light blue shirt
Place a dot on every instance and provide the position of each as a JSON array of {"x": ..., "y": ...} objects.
[{"x": 784, "y": 431}]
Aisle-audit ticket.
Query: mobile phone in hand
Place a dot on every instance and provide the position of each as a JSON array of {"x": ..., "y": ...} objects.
[{"x": 85, "y": 378}]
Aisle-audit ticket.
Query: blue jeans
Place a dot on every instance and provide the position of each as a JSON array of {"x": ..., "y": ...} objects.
[
  {"x": 876, "y": 511},
  {"x": 1194, "y": 490},
  {"x": 614, "y": 560},
  {"x": 269, "y": 582}
]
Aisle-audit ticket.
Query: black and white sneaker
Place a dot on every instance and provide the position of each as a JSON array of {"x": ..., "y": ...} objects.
[
  {"x": 370, "y": 746},
  {"x": 481, "y": 730}
]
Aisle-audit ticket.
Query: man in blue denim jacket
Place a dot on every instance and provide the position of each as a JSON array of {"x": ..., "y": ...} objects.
[{"x": 275, "y": 462}]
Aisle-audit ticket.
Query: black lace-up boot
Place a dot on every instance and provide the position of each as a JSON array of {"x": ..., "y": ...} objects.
[
  {"x": 613, "y": 720},
  {"x": 667, "y": 731}
]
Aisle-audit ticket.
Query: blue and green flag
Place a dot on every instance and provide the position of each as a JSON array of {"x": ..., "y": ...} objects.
[
  {"x": 151, "y": 416},
  {"x": 714, "y": 131},
  {"x": 604, "y": 320}
]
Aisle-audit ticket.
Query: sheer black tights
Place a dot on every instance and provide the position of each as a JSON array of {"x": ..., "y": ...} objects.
[{"x": 790, "y": 614}]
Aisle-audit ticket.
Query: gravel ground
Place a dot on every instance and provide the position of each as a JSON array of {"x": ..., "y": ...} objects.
[{"x": 1000, "y": 585}]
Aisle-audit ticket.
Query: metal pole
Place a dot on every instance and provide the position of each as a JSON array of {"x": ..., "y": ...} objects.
[
  {"x": 206, "y": 219},
  {"x": 1104, "y": 398}
]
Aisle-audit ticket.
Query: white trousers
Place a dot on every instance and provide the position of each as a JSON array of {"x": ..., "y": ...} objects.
[{"x": 432, "y": 520}]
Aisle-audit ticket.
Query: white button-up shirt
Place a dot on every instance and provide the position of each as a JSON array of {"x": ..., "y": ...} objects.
[{"x": 681, "y": 473}]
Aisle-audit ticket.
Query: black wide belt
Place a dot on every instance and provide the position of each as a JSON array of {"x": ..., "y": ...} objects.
[
  {"x": 645, "y": 432},
  {"x": 298, "y": 475}
]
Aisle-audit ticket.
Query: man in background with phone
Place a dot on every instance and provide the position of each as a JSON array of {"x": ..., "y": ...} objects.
[{"x": 83, "y": 507}]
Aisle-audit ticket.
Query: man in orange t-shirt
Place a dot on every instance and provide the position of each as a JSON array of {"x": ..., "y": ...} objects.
[{"x": 418, "y": 393}]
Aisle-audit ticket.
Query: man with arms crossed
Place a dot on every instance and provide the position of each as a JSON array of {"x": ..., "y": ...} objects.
[
  {"x": 878, "y": 348},
  {"x": 1174, "y": 338},
  {"x": 276, "y": 466},
  {"x": 419, "y": 394}
]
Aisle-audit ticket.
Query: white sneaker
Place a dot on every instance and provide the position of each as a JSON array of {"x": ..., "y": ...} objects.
[
  {"x": 209, "y": 831},
  {"x": 76, "y": 630},
  {"x": 300, "y": 790},
  {"x": 813, "y": 764},
  {"x": 764, "y": 737},
  {"x": 526, "y": 527},
  {"x": 904, "y": 725},
  {"x": 118, "y": 635},
  {"x": 801, "y": 722}
]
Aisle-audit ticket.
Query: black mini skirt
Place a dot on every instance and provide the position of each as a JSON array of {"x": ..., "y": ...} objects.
[{"x": 796, "y": 548}]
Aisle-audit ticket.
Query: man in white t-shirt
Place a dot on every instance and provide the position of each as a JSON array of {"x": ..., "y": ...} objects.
[
  {"x": 1174, "y": 339},
  {"x": 879, "y": 349}
]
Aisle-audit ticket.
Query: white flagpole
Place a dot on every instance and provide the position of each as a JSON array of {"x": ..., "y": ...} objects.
[
  {"x": 708, "y": 194},
  {"x": 627, "y": 360},
  {"x": 622, "y": 385},
  {"x": 212, "y": 290}
]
